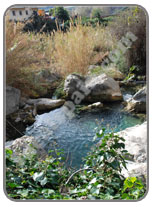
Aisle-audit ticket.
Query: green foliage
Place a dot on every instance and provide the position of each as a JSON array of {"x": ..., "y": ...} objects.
[
  {"x": 100, "y": 177},
  {"x": 36, "y": 179},
  {"x": 61, "y": 13},
  {"x": 52, "y": 12},
  {"x": 40, "y": 24},
  {"x": 107, "y": 160},
  {"x": 133, "y": 71},
  {"x": 86, "y": 21},
  {"x": 133, "y": 189},
  {"x": 59, "y": 92},
  {"x": 96, "y": 13}
]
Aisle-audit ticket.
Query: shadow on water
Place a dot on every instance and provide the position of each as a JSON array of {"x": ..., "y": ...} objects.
[{"x": 75, "y": 136}]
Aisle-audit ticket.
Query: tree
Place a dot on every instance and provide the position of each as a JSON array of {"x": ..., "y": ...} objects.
[
  {"x": 62, "y": 14},
  {"x": 52, "y": 12},
  {"x": 96, "y": 13}
]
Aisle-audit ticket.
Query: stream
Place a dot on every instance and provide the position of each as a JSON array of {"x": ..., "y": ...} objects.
[{"x": 75, "y": 136}]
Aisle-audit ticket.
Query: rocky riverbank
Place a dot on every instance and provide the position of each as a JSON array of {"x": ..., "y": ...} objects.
[
  {"x": 95, "y": 92},
  {"x": 136, "y": 144},
  {"x": 21, "y": 112}
]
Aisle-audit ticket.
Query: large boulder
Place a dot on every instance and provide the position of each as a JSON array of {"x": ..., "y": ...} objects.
[
  {"x": 45, "y": 104},
  {"x": 103, "y": 88},
  {"x": 71, "y": 84},
  {"x": 12, "y": 99},
  {"x": 138, "y": 102},
  {"x": 25, "y": 145},
  {"x": 97, "y": 88},
  {"x": 136, "y": 144}
]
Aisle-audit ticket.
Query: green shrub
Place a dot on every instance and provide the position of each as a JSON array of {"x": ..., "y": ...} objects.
[
  {"x": 100, "y": 177},
  {"x": 96, "y": 13},
  {"x": 35, "y": 179},
  {"x": 59, "y": 92},
  {"x": 61, "y": 13},
  {"x": 133, "y": 189}
]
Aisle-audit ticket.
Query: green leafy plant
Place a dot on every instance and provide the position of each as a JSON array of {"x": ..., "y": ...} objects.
[
  {"x": 100, "y": 178},
  {"x": 105, "y": 180},
  {"x": 96, "y": 13},
  {"x": 132, "y": 73},
  {"x": 59, "y": 92},
  {"x": 36, "y": 179},
  {"x": 133, "y": 188},
  {"x": 61, "y": 13}
]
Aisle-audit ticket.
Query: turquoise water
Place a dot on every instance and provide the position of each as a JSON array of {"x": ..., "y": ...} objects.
[{"x": 75, "y": 136}]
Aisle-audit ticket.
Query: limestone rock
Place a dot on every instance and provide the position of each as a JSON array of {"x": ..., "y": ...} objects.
[
  {"x": 12, "y": 99},
  {"x": 99, "y": 88},
  {"x": 136, "y": 144},
  {"x": 25, "y": 145},
  {"x": 45, "y": 104},
  {"x": 94, "y": 106},
  {"x": 138, "y": 102},
  {"x": 103, "y": 89}
]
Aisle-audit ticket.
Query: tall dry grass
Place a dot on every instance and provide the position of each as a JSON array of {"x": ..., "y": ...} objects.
[
  {"x": 64, "y": 53},
  {"x": 25, "y": 55},
  {"x": 76, "y": 49}
]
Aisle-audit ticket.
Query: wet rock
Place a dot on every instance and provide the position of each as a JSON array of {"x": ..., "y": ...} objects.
[
  {"x": 12, "y": 99},
  {"x": 99, "y": 88},
  {"x": 138, "y": 102},
  {"x": 103, "y": 89},
  {"x": 94, "y": 106},
  {"x": 45, "y": 104}
]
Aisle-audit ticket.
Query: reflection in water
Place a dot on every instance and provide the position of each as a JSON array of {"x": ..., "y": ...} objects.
[{"x": 75, "y": 136}]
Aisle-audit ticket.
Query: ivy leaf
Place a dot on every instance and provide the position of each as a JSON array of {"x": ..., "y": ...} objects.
[
  {"x": 73, "y": 191},
  {"x": 93, "y": 181},
  {"x": 38, "y": 176},
  {"x": 133, "y": 179},
  {"x": 44, "y": 181},
  {"x": 91, "y": 197},
  {"x": 12, "y": 185},
  {"x": 95, "y": 190},
  {"x": 99, "y": 185},
  {"x": 125, "y": 196},
  {"x": 115, "y": 164},
  {"x": 9, "y": 152},
  {"x": 48, "y": 191},
  {"x": 100, "y": 133},
  {"x": 119, "y": 146},
  {"x": 23, "y": 193},
  {"x": 107, "y": 155}
]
